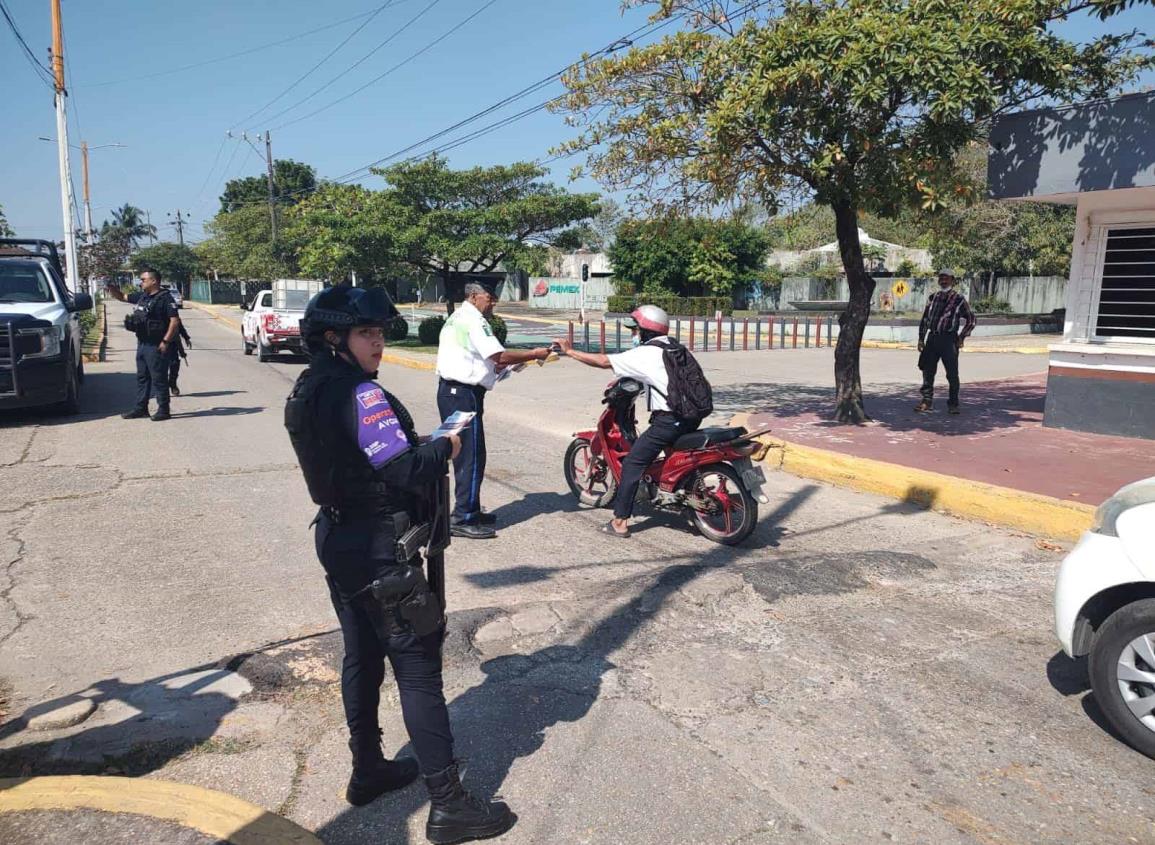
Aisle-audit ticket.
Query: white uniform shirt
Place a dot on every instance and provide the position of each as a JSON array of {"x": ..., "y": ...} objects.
[
  {"x": 465, "y": 346},
  {"x": 647, "y": 365}
]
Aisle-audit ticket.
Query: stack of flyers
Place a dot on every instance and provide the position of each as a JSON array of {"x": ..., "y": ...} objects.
[{"x": 453, "y": 424}]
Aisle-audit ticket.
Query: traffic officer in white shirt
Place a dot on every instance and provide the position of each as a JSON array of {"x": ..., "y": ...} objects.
[
  {"x": 650, "y": 326},
  {"x": 469, "y": 359}
]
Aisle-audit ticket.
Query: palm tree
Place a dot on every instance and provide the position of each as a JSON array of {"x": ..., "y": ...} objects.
[{"x": 130, "y": 220}]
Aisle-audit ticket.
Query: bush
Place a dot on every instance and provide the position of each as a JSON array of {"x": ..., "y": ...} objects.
[
  {"x": 675, "y": 306},
  {"x": 429, "y": 331},
  {"x": 500, "y": 330},
  {"x": 990, "y": 305},
  {"x": 397, "y": 329}
]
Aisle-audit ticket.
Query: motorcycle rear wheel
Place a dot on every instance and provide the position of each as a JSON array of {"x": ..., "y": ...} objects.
[
  {"x": 589, "y": 478},
  {"x": 736, "y": 515}
]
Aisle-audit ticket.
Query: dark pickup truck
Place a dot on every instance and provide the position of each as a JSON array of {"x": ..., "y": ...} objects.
[{"x": 40, "y": 337}]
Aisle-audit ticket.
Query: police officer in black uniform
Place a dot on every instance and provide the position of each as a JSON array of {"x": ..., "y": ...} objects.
[
  {"x": 155, "y": 322},
  {"x": 376, "y": 483}
]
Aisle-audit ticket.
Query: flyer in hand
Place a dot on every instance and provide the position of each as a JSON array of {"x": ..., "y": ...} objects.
[{"x": 453, "y": 424}]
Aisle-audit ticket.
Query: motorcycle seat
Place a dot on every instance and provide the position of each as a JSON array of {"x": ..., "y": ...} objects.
[{"x": 704, "y": 437}]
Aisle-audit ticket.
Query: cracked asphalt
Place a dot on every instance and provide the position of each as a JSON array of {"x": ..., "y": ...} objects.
[{"x": 860, "y": 671}]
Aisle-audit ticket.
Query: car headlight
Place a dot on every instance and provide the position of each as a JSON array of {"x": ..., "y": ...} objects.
[
  {"x": 41, "y": 343},
  {"x": 1139, "y": 493}
]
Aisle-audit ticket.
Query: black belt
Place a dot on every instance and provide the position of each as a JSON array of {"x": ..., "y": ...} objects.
[
  {"x": 340, "y": 515},
  {"x": 453, "y": 383}
]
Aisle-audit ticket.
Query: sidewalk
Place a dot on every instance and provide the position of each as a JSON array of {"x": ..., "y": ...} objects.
[{"x": 998, "y": 442}]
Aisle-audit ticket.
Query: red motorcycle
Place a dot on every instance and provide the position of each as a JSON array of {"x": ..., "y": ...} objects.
[{"x": 708, "y": 474}]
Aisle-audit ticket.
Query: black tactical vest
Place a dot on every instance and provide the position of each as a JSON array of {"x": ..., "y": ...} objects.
[{"x": 336, "y": 473}]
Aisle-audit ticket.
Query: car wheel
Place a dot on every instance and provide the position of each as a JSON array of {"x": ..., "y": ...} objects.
[
  {"x": 71, "y": 404},
  {"x": 245, "y": 345},
  {"x": 1122, "y": 670},
  {"x": 264, "y": 353}
]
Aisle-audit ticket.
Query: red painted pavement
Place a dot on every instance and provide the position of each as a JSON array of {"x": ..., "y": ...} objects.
[{"x": 998, "y": 439}]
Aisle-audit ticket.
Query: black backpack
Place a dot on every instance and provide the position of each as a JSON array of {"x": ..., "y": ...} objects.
[{"x": 690, "y": 396}]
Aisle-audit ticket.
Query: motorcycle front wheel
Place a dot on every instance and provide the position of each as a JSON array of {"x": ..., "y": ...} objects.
[
  {"x": 588, "y": 476},
  {"x": 732, "y": 513}
]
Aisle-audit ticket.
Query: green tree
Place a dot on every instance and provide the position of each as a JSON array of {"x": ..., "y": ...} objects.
[
  {"x": 131, "y": 221},
  {"x": 106, "y": 256},
  {"x": 342, "y": 229},
  {"x": 861, "y": 105},
  {"x": 446, "y": 221},
  {"x": 239, "y": 245},
  {"x": 5, "y": 229},
  {"x": 687, "y": 256},
  {"x": 177, "y": 263},
  {"x": 292, "y": 182}
]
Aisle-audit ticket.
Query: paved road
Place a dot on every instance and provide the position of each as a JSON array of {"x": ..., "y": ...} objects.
[{"x": 860, "y": 672}]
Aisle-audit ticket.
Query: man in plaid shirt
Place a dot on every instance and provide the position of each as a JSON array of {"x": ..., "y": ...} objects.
[{"x": 939, "y": 338}]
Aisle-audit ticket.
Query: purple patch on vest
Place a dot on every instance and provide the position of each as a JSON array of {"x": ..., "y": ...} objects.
[{"x": 379, "y": 432}]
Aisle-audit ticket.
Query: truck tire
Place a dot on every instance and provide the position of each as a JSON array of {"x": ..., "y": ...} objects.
[
  {"x": 70, "y": 407},
  {"x": 264, "y": 353}
]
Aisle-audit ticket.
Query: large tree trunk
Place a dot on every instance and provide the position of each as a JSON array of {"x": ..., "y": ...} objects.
[{"x": 852, "y": 322}]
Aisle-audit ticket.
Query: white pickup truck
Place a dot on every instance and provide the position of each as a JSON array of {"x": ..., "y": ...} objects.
[{"x": 272, "y": 320}]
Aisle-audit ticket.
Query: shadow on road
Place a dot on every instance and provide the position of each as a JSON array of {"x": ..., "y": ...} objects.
[
  {"x": 532, "y": 505},
  {"x": 208, "y": 394},
  {"x": 988, "y": 406},
  {"x": 103, "y": 394},
  {"x": 506, "y": 717},
  {"x": 219, "y": 412}
]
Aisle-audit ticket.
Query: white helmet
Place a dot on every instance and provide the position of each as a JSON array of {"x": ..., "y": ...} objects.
[{"x": 651, "y": 318}]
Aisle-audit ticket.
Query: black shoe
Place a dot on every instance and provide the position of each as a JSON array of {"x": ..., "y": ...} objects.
[
  {"x": 161, "y": 416},
  {"x": 173, "y": 389},
  {"x": 953, "y": 409},
  {"x": 457, "y": 816},
  {"x": 923, "y": 407},
  {"x": 373, "y": 775},
  {"x": 135, "y": 414},
  {"x": 472, "y": 531}
]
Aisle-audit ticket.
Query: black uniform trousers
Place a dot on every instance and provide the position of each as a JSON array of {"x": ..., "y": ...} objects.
[
  {"x": 174, "y": 363},
  {"x": 469, "y": 465},
  {"x": 350, "y": 553},
  {"x": 939, "y": 346},
  {"x": 151, "y": 375},
  {"x": 664, "y": 429}
]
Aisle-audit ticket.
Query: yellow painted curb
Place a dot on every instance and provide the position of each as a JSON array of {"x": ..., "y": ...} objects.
[
  {"x": 406, "y": 361},
  {"x": 213, "y": 813},
  {"x": 212, "y": 313},
  {"x": 898, "y": 344},
  {"x": 1029, "y": 512}
]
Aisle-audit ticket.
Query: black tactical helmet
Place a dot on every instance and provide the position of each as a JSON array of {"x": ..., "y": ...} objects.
[{"x": 343, "y": 307}]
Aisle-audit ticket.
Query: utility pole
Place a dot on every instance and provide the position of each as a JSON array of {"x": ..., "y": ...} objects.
[
  {"x": 148, "y": 220},
  {"x": 272, "y": 189},
  {"x": 179, "y": 223},
  {"x": 66, "y": 198},
  {"x": 87, "y": 203}
]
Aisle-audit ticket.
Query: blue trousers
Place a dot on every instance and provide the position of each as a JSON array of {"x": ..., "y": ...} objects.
[
  {"x": 469, "y": 466},
  {"x": 350, "y": 555},
  {"x": 151, "y": 376}
]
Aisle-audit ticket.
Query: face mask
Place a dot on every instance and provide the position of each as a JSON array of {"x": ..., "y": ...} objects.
[{"x": 636, "y": 340}]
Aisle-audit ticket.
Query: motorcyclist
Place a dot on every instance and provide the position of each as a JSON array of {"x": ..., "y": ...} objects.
[
  {"x": 372, "y": 476},
  {"x": 650, "y": 329}
]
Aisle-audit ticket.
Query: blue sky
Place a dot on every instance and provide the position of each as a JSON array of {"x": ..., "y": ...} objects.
[{"x": 173, "y": 124}]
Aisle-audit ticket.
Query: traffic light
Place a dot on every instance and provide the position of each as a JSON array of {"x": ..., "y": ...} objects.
[{"x": 585, "y": 272}]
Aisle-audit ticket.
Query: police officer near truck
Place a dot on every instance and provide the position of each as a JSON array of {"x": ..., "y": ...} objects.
[
  {"x": 381, "y": 494},
  {"x": 156, "y": 323},
  {"x": 469, "y": 361}
]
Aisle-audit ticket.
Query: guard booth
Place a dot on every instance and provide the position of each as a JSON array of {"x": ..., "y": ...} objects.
[{"x": 1099, "y": 157}]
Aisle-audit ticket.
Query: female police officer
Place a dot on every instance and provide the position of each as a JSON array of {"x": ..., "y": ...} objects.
[{"x": 365, "y": 467}]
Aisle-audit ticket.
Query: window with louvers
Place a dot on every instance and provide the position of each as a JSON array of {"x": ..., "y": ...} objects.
[{"x": 1127, "y": 300}]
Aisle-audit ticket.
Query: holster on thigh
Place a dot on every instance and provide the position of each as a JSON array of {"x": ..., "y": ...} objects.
[{"x": 399, "y": 601}]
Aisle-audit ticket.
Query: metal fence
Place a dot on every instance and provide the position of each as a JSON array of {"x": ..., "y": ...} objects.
[
  {"x": 224, "y": 291},
  {"x": 719, "y": 334}
]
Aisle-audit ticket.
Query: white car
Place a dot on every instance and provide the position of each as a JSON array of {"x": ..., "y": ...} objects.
[
  {"x": 175, "y": 293},
  {"x": 1105, "y": 608}
]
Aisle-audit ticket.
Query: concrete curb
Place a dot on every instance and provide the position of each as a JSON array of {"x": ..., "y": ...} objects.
[
  {"x": 1018, "y": 509},
  {"x": 93, "y": 353},
  {"x": 213, "y": 813},
  {"x": 983, "y": 350},
  {"x": 407, "y": 361}
]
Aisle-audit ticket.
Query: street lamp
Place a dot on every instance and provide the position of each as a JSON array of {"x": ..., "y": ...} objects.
[{"x": 84, "y": 148}]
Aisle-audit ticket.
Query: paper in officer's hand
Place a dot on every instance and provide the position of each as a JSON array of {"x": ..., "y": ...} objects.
[{"x": 453, "y": 424}]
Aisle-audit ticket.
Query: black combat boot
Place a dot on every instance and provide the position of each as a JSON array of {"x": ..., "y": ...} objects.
[
  {"x": 457, "y": 816},
  {"x": 373, "y": 775}
]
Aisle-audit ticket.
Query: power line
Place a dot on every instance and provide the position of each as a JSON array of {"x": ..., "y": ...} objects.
[
  {"x": 311, "y": 70},
  {"x": 357, "y": 63},
  {"x": 212, "y": 169},
  {"x": 395, "y": 67},
  {"x": 41, "y": 70},
  {"x": 236, "y": 55}
]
